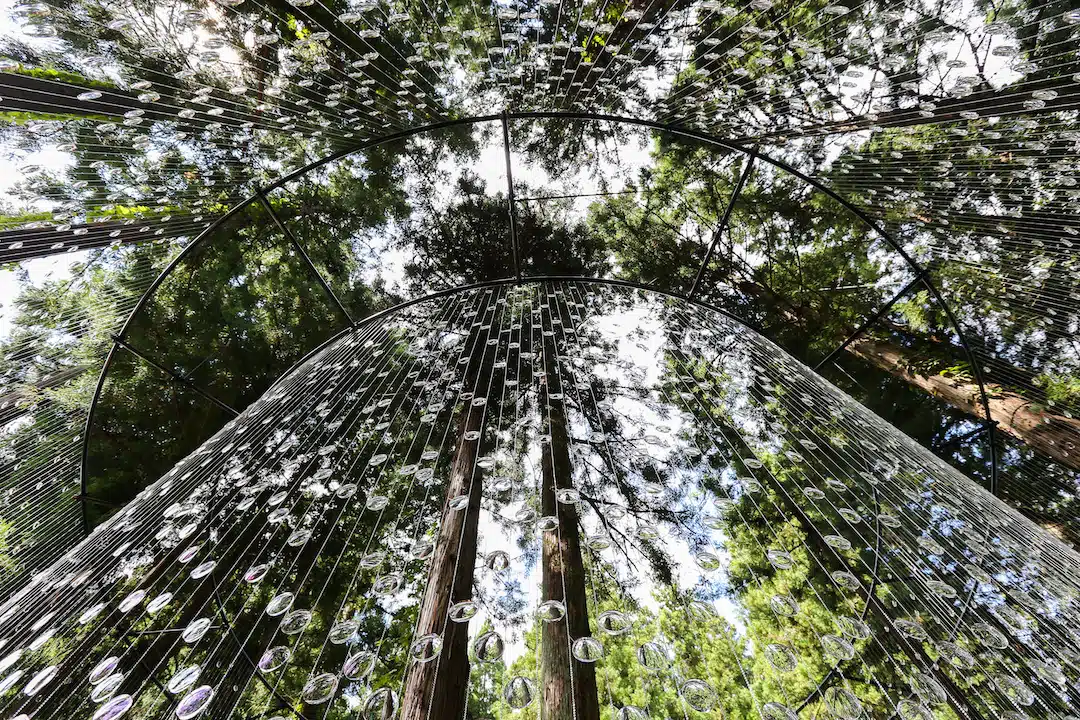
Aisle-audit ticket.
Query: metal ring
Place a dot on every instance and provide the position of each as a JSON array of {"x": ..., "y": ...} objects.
[{"x": 595, "y": 117}]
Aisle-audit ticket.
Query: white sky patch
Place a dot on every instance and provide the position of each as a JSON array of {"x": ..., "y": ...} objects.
[
  {"x": 639, "y": 337},
  {"x": 640, "y": 352},
  {"x": 40, "y": 270}
]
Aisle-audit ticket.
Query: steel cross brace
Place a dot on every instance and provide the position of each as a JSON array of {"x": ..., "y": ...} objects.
[
  {"x": 176, "y": 377},
  {"x": 307, "y": 258}
]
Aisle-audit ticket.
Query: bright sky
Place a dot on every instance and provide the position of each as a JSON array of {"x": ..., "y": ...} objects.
[
  {"x": 491, "y": 169},
  {"x": 9, "y": 162}
]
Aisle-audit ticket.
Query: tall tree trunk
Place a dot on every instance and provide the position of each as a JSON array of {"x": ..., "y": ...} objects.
[
  {"x": 569, "y": 686},
  {"x": 439, "y": 688},
  {"x": 1054, "y": 435},
  {"x": 17, "y": 402}
]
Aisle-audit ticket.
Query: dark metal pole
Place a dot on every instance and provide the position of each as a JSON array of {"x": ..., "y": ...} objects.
[
  {"x": 968, "y": 435},
  {"x": 177, "y": 377},
  {"x": 510, "y": 196},
  {"x": 724, "y": 220},
  {"x": 991, "y": 439},
  {"x": 84, "y": 498},
  {"x": 976, "y": 371},
  {"x": 87, "y": 428},
  {"x": 872, "y": 320},
  {"x": 307, "y": 259}
]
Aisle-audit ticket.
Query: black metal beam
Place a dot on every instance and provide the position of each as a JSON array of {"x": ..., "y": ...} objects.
[
  {"x": 84, "y": 498},
  {"x": 671, "y": 128},
  {"x": 510, "y": 196},
  {"x": 724, "y": 220},
  {"x": 177, "y": 377},
  {"x": 870, "y": 322},
  {"x": 307, "y": 258}
]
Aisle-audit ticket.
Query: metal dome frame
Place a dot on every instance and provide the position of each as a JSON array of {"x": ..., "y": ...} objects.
[{"x": 921, "y": 275}]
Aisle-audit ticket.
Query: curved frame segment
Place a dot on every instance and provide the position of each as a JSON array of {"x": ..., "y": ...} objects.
[{"x": 920, "y": 273}]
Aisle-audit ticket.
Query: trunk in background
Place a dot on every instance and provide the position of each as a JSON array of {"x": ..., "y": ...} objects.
[
  {"x": 1055, "y": 435},
  {"x": 439, "y": 688},
  {"x": 568, "y": 686}
]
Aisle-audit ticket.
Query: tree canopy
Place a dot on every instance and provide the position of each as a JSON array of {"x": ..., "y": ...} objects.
[{"x": 204, "y": 194}]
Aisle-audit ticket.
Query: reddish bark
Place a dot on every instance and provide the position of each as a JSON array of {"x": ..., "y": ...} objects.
[
  {"x": 439, "y": 688},
  {"x": 569, "y": 686},
  {"x": 1055, "y": 435}
]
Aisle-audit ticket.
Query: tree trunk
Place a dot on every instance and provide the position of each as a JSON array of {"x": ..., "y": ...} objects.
[
  {"x": 17, "y": 403},
  {"x": 1054, "y": 435},
  {"x": 569, "y": 686},
  {"x": 439, "y": 688}
]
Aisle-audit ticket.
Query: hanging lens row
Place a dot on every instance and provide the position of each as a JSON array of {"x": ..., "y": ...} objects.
[{"x": 544, "y": 499}]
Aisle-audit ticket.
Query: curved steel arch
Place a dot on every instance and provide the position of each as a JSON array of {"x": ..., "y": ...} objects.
[{"x": 920, "y": 273}]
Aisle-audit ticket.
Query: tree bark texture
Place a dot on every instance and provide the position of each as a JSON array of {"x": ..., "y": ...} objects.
[
  {"x": 569, "y": 686},
  {"x": 1054, "y": 435},
  {"x": 439, "y": 688}
]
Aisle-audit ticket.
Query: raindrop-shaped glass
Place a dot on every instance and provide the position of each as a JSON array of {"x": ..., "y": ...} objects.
[
  {"x": 425, "y": 648},
  {"x": 358, "y": 665},
  {"x": 613, "y": 622},
  {"x": 551, "y": 611},
  {"x": 519, "y": 692},
  {"x": 103, "y": 669},
  {"x": 489, "y": 647},
  {"x": 183, "y": 679},
  {"x": 279, "y": 604},
  {"x": 195, "y": 702},
  {"x": 653, "y": 657},
  {"x": 320, "y": 688},
  {"x": 274, "y": 658},
  {"x": 381, "y": 703},
  {"x": 699, "y": 695},
  {"x": 115, "y": 708},
  {"x": 463, "y": 611},
  {"x": 587, "y": 649},
  {"x": 295, "y": 621},
  {"x": 781, "y": 657}
]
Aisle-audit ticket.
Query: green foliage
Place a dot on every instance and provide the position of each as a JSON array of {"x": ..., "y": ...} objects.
[
  {"x": 469, "y": 241},
  {"x": 1059, "y": 388},
  {"x": 7, "y": 563},
  {"x": 913, "y": 310},
  {"x": 62, "y": 76},
  {"x": 17, "y": 117}
]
